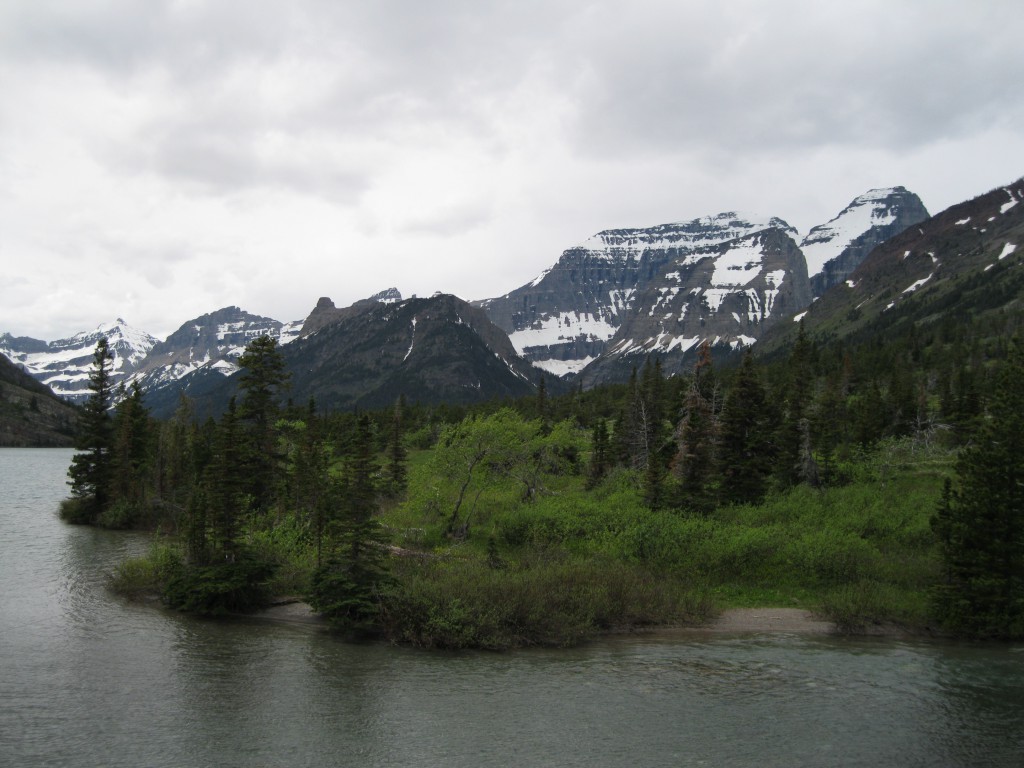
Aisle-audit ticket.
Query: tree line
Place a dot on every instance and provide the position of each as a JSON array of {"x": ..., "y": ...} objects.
[{"x": 719, "y": 436}]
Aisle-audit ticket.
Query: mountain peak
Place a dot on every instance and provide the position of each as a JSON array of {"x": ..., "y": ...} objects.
[{"x": 834, "y": 249}]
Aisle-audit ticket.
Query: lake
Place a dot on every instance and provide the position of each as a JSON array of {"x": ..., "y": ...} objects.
[{"x": 89, "y": 679}]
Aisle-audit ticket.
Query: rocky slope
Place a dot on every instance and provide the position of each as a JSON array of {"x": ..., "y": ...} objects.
[
  {"x": 31, "y": 416},
  {"x": 628, "y": 293},
  {"x": 433, "y": 350},
  {"x": 212, "y": 342},
  {"x": 64, "y": 365},
  {"x": 833, "y": 250},
  {"x": 436, "y": 350},
  {"x": 962, "y": 263},
  {"x": 727, "y": 294},
  {"x": 566, "y": 317}
]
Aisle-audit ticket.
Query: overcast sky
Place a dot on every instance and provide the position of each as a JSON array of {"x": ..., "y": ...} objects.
[{"x": 160, "y": 160}]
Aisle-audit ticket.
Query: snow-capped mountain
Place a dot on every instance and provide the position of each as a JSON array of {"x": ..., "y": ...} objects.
[
  {"x": 566, "y": 317},
  {"x": 665, "y": 289},
  {"x": 967, "y": 261},
  {"x": 436, "y": 350},
  {"x": 213, "y": 342},
  {"x": 833, "y": 250},
  {"x": 64, "y": 365},
  {"x": 725, "y": 294}
]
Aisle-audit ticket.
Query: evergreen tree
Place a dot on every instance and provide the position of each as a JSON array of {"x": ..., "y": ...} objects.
[
  {"x": 656, "y": 446},
  {"x": 397, "y": 453},
  {"x": 745, "y": 451},
  {"x": 600, "y": 457},
  {"x": 225, "y": 481},
  {"x": 91, "y": 468},
  {"x": 980, "y": 526},
  {"x": 132, "y": 454},
  {"x": 347, "y": 588},
  {"x": 262, "y": 381},
  {"x": 796, "y": 399}
]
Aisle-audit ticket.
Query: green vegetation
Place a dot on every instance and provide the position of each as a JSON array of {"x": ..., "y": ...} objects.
[{"x": 810, "y": 482}]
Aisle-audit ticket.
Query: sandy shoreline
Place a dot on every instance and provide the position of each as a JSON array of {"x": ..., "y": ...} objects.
[
  {"x": 796, "y": 620},
  {"x": 733, "y": 620}
]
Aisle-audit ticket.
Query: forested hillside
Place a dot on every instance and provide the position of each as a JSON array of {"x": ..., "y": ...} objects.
[{"x": 813, "y": 478}]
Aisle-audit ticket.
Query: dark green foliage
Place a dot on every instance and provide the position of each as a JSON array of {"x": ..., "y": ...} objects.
[
  {"x": 236, "y": 586},
  {"x": 92, "y": 467},
  {"x": 980, "y": 525},
  {"x": 697, "y": 441},
  {"x": 397, "y": 454},
  {"x": 262, "y": 381},
  {"x": 346, "y": 587},
  {"x": 600, "y": 456},
  {"x": 555, "y": 602},
  {"x": 225, "y": 482},
  {"x": 745, "y": 447},
  {"x": 132, "y": 454}
]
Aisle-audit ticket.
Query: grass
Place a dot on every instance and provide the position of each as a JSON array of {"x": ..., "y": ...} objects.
[{"x": 573, "y": 563}]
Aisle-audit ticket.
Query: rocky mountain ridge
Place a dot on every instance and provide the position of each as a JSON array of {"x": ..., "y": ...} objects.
[
  {"x": 564, "y": 319},
  {"x": 604, "y": 306},
  {"x": 966, "y": 261},
  {"x": 30, "y": 414},
  {"x": 627, "y": 293},
  {"x": 63, "y": 365},
  {"x": 834, "y": 249}
]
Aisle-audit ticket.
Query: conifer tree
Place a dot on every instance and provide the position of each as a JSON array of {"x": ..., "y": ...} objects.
[
  {"x": 225, "y": 481},
  {"x": 796, "y": 398},
  {"x": 745, "y": 452},
  {"x": 91, "y": 468},
  {"x": 980, "y": 526},
  {"x": 600, "y": 457},
  {"x": 262, "y": 382},
  {"x": 132, "y": 455},
  {"x": 397, "y": 453},
  {"x": 347, "y": 588}
]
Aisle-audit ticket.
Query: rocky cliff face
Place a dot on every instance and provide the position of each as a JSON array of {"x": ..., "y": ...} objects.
[
  {"x": 566, "y": 317},
  {"x": 434, "y": 350},
  {"x": 213, "y": 342},
  {"x": 64, "y": 365},
  {"x": 833, "y": 250},
  {"x": 967, "y": 260},
  {"x": 726, "y": 294},
  {"x": 325, "y": 313},
  {"x": 31, "y": 416}
]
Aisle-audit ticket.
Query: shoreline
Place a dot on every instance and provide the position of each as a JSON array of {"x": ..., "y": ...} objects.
[{"x": 730, "y": 621}]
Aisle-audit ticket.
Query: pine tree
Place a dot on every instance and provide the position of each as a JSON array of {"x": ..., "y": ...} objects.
[
  {"x": 225, "y": 482},
  {"x": 262, "y": 381},
  {"x": 397, "y": 453},
  {"x": 980, "y": 526},
  {"x": 745, "y": 452},
  {"x": 132, "y": 453},
  {"x": 347, "y": 588},
  {"x": 796, "y": 398},
  {"x": 91, "y": 468},
  {"x": 600, "y": 457}
]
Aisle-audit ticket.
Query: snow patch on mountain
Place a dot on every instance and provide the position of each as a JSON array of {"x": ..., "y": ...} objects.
[
  {"x": 560, "y": 328},
  {"x": 64, "y": 365},
  {"x": 827, "y": 241}
]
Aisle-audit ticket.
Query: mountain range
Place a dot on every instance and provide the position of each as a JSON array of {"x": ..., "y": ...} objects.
[
  {"x": 628, "y": 293},
  {"x": 600, "y": 310}
]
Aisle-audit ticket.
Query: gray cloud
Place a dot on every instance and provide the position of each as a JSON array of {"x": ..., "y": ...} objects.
[{"x": 320, "y": 143}]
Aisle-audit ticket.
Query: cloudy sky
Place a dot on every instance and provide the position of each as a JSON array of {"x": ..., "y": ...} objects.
[{"x": 160, "y": 159}]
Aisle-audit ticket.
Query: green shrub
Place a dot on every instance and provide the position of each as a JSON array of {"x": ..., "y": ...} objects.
[
  {"x": 229, "y": 587},
  {"x": 144, "y": 576},
  {"x": 546, "y": 601},
  {"x": 77, "y": 510}
]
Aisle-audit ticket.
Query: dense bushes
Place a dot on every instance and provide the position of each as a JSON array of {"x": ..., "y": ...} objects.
[{"x": 556, "y": 600}]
